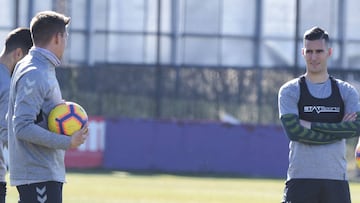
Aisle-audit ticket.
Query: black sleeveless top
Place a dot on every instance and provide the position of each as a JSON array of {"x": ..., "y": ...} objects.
[{"x": 325, "y": 110}]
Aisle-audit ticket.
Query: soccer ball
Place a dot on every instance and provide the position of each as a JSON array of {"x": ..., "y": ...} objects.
[
  {"x": 357, "y": 156},
  {"x": 67, "y": 118}
]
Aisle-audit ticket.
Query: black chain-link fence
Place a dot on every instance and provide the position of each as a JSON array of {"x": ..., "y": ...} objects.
[{"x": 181, "y": 93}]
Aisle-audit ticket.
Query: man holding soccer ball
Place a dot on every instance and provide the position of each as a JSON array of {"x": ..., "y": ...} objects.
[
  {"x": 318, "y": 112},
  {"x": 36, "y": 154}
]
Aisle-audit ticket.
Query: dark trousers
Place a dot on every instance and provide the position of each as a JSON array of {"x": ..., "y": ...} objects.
[
  {"x": 316, "y": 191},
  {"x": 44, "y": 192},
  {"x": 2, "y": 192}
]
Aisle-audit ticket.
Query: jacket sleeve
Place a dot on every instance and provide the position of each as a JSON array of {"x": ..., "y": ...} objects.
[
  {"x": 4, "y": 98},
  {"x": 31, "y": 91}
]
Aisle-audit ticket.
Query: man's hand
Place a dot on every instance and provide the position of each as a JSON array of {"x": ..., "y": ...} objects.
[
  {"x": 349, "y": 117},
  {"x": 79, "y": 136}
]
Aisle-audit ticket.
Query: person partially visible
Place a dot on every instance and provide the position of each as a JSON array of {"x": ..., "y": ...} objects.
[
  {"x": 36, "y": 155},
  {"x": 318, "y": 113},
  {"x": 17, "y": 45}
]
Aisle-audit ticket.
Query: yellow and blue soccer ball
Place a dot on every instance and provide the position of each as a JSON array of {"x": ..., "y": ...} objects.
[
  {"x": 357, "y": 156},
  {"x": 67, "y": 118}
]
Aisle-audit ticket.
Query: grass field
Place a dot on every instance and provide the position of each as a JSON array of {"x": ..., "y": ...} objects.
[{"x": 122, "y": 187}]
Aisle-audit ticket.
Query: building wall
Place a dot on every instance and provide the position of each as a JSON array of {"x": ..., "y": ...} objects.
[{"x": 218, "y": 33}]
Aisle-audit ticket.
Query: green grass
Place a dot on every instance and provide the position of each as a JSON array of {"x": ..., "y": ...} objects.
[{"x": 121, "y": 187}]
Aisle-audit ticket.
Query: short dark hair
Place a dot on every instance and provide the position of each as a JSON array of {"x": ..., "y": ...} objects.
[
  {"x": 316, "y": 33},
  {"x": 45, "y": 24},
  {"x": 18, "y": 38}
]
